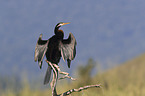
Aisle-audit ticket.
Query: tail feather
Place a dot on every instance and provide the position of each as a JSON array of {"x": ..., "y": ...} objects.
[{"x": 47, "y": 75}]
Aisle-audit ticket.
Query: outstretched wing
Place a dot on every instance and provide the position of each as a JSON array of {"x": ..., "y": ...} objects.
[
  {"x": 40, "y": 50},
  {"x": 68, "y": 48}
]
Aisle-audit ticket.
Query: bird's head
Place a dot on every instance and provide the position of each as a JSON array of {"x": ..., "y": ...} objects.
[
  {"x": 60, "y": 24},
  {"x": 58, "y": 32}
]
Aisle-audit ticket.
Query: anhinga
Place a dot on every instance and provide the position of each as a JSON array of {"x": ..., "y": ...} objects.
[{"x": 54, "y": 48}]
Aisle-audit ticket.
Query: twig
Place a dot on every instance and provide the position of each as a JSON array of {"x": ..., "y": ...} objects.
[
  {"x": 66, "y": 76},
  {"x": 79, "y": 89}
]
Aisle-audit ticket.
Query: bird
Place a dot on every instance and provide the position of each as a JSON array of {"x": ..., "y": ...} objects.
[{"x": 54, "y": 48}]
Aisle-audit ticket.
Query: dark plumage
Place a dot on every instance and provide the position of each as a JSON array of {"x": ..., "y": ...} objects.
[{"x": 55, "y": 48}]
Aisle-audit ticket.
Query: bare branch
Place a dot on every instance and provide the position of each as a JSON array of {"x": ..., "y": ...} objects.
[
  {"x": 66, "y": 76},
  {"x": 64, "y": 73},
  {"x": 79, "y": 89},
  {"x": 54, "y": 80},
  {"x": 56, "y": 69}
]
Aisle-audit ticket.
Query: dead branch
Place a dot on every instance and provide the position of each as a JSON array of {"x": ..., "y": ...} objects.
[
  {"x": 56, "y": 69},
  {"x": 79, "y": 89},
  {"x": 66, "y": 76},
  {"x": 64, "y": 73},
  {"x": 54, "y": 80}
]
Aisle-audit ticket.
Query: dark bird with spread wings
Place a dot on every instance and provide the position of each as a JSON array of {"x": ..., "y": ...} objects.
[{"x": 54, "y": 48}]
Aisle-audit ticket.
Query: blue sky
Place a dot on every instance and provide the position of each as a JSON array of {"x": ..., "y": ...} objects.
[{"x": 110, "y": 32}]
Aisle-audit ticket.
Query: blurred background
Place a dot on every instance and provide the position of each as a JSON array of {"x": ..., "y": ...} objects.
[{"x": 108, "y": 33}]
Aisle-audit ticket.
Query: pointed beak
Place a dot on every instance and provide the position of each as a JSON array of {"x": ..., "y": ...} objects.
[{"x": 66, "y": 23}]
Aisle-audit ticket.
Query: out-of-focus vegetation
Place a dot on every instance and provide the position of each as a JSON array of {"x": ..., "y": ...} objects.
[{"x": 128, "y": 79}]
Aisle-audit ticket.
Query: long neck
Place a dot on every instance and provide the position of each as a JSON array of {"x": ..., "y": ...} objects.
[
  {"x": 59, "y": 33},
  {"x": 56, "y": 29}
]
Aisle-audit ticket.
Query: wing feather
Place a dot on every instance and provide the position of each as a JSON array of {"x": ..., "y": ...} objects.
[
  {"x": 40, "y": 50},
  {"x": 68, "y": 49}
]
